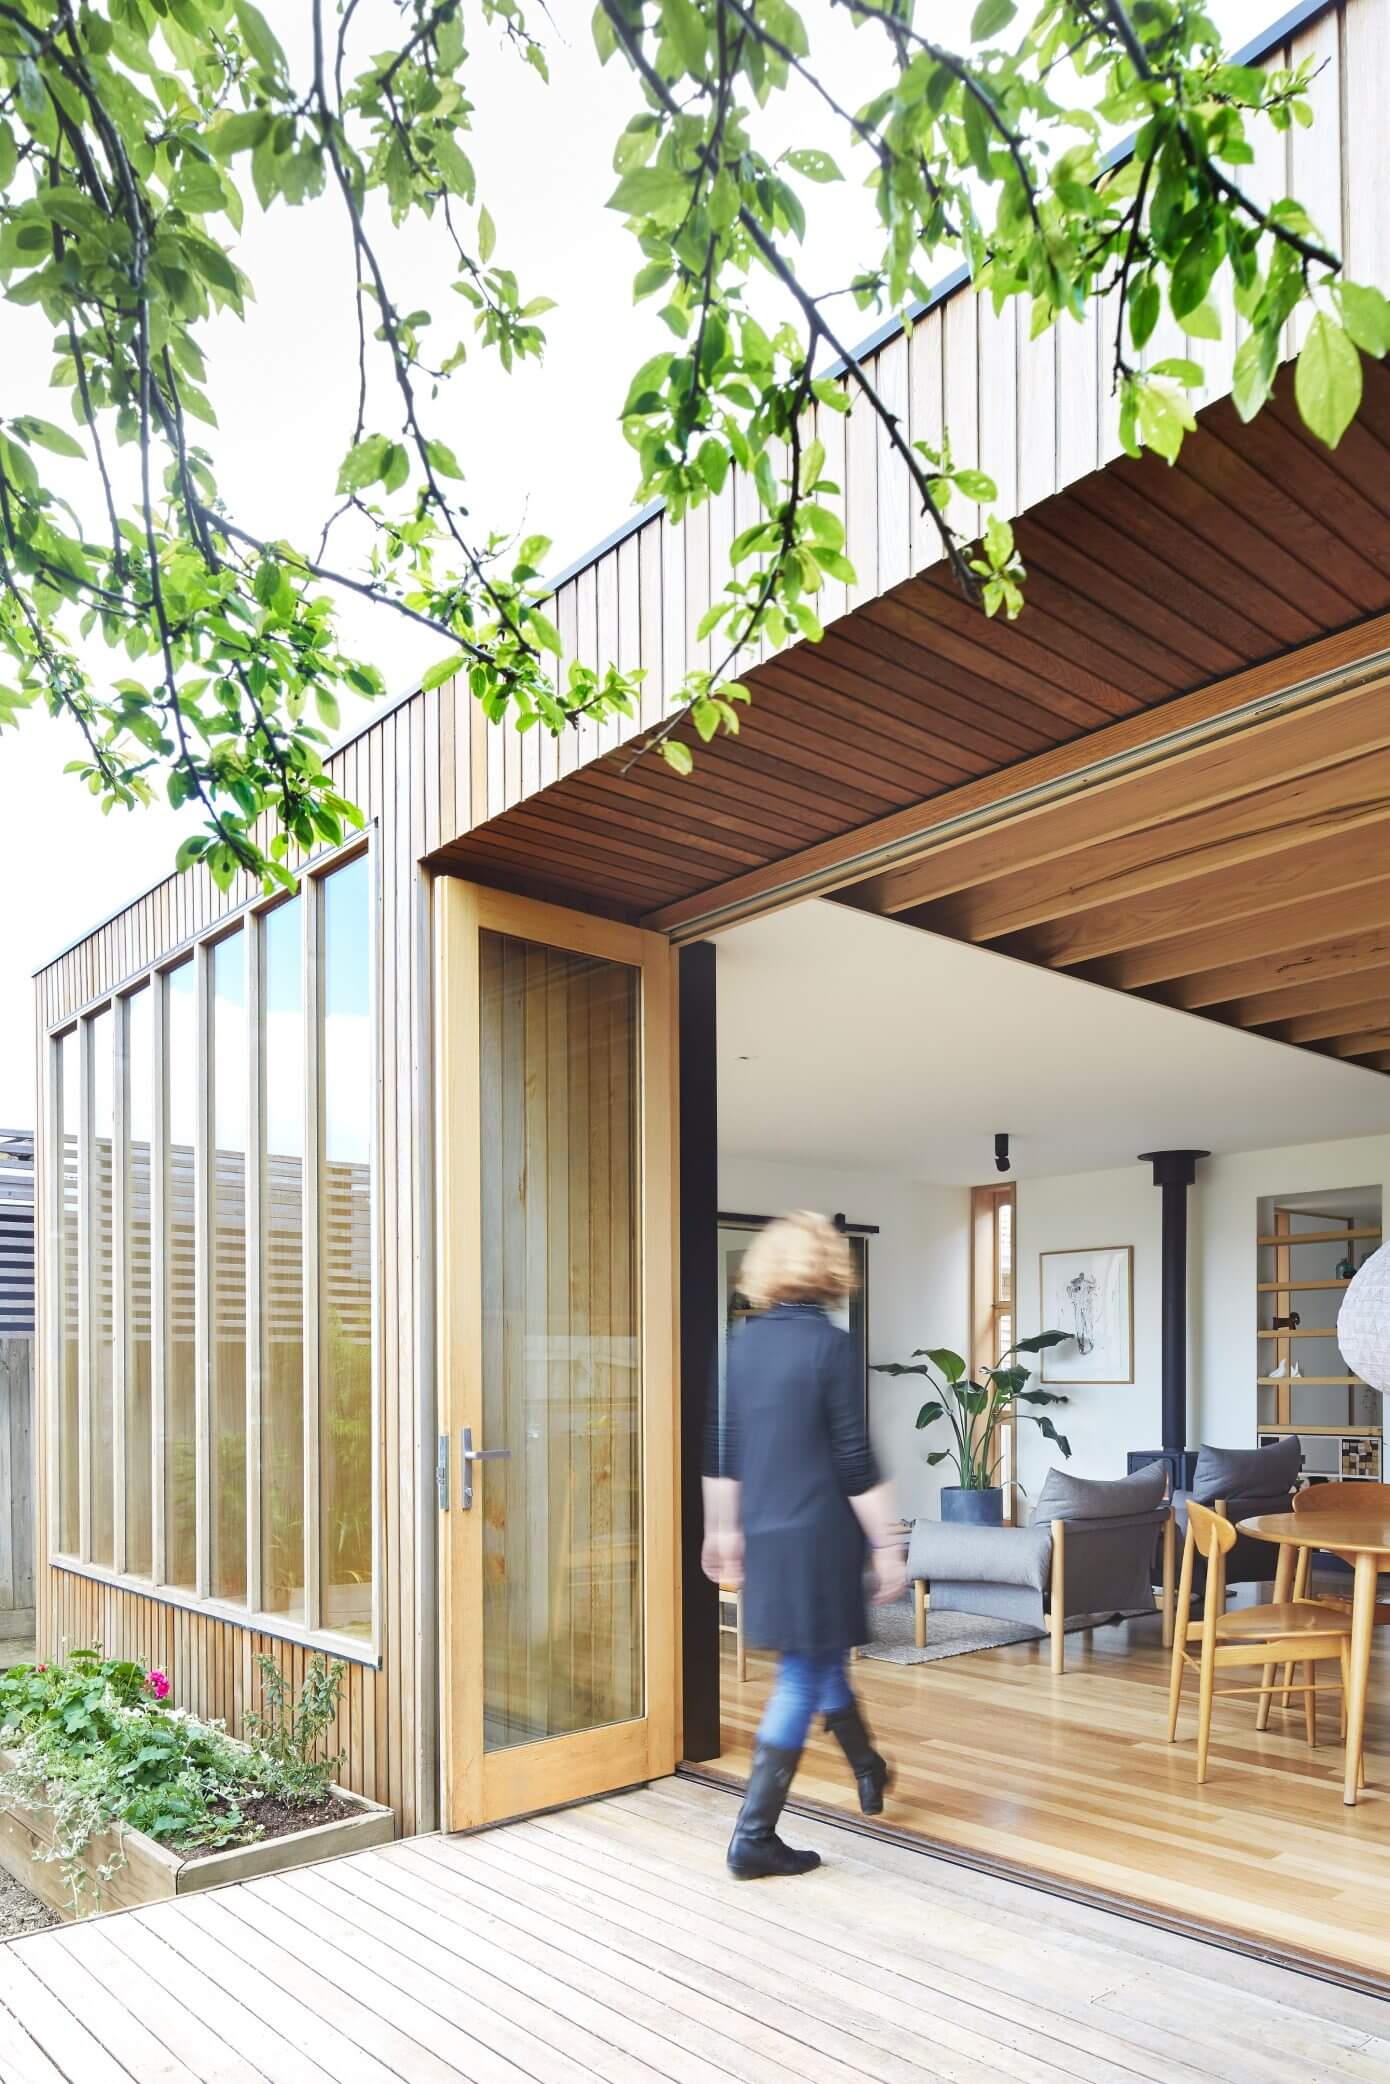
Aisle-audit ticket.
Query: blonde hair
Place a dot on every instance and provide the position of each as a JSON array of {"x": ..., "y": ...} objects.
[{"x": 801, "y": 1257}]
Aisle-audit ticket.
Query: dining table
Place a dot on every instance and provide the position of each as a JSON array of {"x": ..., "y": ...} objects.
[{"x": 1363, "y": 1540}]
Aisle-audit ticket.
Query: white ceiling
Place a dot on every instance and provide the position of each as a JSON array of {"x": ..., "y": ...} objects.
[{"x": 851, "y": 1038}]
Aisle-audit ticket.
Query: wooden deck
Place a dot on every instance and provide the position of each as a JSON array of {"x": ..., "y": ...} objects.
[
  {"x": 1073, "y": 1778},
  {"x": 607, "y": 1943}
]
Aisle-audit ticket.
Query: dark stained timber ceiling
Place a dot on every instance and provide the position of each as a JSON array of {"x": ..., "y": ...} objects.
[{"x": 1266, "y": 904}]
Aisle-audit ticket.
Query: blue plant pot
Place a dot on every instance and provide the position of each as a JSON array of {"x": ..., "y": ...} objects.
[{"x": 977, "y": 1508}]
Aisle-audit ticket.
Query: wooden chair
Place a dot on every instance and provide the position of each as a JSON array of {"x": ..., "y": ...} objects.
[
  {"x": 732, "y": 1596},
  {"x": 1333, "y": 1497},
  {"x": 1304, "y": 1633}
]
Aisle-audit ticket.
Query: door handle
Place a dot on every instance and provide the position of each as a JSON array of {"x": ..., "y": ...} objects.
[{"x": 468, "y": 1455}]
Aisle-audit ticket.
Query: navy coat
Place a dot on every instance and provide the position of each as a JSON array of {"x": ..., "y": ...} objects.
[{"x": 794, "y": 1438}]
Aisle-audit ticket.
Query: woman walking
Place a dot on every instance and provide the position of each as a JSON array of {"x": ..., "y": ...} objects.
[{"x": 794, "y": 1510}]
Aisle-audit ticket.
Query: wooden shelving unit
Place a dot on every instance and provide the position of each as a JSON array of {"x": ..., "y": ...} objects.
[{"x": 1350, "y": 1452}]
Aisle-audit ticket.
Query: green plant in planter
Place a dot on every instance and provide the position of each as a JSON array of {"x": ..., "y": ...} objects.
[
  {"x": 975, "y": 1408},
  {"x": 289, "y": 1731}
]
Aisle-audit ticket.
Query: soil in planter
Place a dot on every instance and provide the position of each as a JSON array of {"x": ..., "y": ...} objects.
[
  {"x": 278, "y": 1819},
  {"x": 20, "y": 1911}
]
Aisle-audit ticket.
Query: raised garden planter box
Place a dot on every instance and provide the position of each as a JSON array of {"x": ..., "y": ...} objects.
[{"x": 151, "y": 1872}]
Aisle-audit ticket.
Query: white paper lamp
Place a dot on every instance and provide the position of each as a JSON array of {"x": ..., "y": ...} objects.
[{"x": 1363, "y": 1322}]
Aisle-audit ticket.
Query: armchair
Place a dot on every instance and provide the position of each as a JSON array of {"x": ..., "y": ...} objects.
[
  {"x": 1088, "y": 1554},
  {"x": 1239, "y": 1483}
]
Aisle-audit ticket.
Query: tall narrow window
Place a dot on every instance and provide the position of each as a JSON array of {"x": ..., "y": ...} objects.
[
  {"x": 69, "y": 1316},
  {"x": 282, "y": 1391},
  {"x": 99, "y": 1244},
  {"x": 231, "y": 1074},
  {"x": 345, "y": 1255},
  {"x": 993, "y": 1254},
  {"x": 139, "y": 1366},
  {"x": 181, "y": 1363}
]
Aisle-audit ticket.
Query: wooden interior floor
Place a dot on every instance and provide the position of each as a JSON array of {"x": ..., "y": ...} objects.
[
  {"x": 1073, "y": 1778},
  {"x": 607, "y": 1945}
]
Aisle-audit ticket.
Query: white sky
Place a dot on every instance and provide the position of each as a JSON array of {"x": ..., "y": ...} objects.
[{"x": 542, "y": 446}]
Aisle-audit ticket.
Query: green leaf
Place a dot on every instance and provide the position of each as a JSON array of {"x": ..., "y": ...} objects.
[
  {"x": 9, "y": 156},
  {"x": 685, "y": 26},
  {"x": 1182, "y": 371},
  {"x": 1164, "y": 417},
  {"x": 815, "y": 166},
  {"x": 1327, "y": 380},
  {"x": 455, "y": 165},
  {"x": 645, "y": 388},
  {"x": 443, "y": 459},
  {"x": 974, "y": 484},
  {"x": 1257, "y": 358},
  {"x": 487, "y": 235},
  {"x": 1366, "y": 316},
  {"x": 944, "y": 1361},
  {"x": 363, "y": 463},
  {"x": 977, "y": 136},
  {"x": 929, "y": 1414},
  {"x": 436, "y": 675},
  {"x": 1204, "y": 323},
  {"x": 1040, "y": 1341},
  {"x": 1196, "y": 264},
  {"x": 651, "y": 191},
  {"x": 259, "y": 38},
  {"x": 544, "y": 631},
  {"x": 48, "y": 436},
  {"x": 604, "y": 35},
  {"x": 990, "y": 17},
  {"x": 677, "y": 755},
  {"x": 239, "y": 133}
]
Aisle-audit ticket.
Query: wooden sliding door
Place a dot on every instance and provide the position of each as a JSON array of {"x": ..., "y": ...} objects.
[{"x": 557, "y": 1304}]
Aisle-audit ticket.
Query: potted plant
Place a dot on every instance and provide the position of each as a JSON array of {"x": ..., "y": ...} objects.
[{"x": 974, "y": 1409}]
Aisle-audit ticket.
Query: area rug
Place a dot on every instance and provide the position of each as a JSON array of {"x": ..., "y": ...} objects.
[{"x": 948, "y": 1635}]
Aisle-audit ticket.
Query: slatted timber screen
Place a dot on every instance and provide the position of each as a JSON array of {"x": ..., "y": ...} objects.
[{"x": 16, "y": 1233}]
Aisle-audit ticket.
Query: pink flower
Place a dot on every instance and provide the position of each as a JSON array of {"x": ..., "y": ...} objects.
[
  {"x": 158, "y": 1684},
  {"x": 41, "y": 1667}
]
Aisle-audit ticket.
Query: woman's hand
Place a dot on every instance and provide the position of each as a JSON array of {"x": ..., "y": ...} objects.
[
  {"x": 721, "y": 1558},
  {"x": 890, "y": 1573}
]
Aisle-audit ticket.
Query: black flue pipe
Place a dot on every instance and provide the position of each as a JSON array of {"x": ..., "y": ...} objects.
[{"x": 1174, "y": 1172}]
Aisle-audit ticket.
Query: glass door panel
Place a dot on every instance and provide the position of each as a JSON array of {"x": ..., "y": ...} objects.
[
  {"x": 556, "y": 1467},
  {"x": 561, "y": 1350}
]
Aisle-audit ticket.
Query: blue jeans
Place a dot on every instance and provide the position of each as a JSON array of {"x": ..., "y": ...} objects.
[{"x": 806, "y": 1686}]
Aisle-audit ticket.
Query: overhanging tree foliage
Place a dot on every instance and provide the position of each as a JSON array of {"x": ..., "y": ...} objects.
[{"x": 130, "y": 130}]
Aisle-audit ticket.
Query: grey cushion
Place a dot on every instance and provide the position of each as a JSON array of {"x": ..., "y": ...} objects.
[
  {"x": 1067, "y": 1497},
  {"x": 997, "y": 1555},
  {"x": 1247, "y": 1472}
]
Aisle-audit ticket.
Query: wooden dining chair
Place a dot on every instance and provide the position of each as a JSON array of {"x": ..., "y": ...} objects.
[{"x": 1305, "y": 1634}]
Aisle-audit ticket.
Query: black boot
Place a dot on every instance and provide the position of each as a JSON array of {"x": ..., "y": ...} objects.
[
  {"x": 873, "y": 1773},
  {"x": 755, "y": 1850}
]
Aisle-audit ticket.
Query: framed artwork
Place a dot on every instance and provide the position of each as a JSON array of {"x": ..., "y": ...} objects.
[{"x": 1089, "y": 1294}]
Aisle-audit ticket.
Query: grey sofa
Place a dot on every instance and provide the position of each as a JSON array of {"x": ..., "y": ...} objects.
[{"x": 1089, "y": 1552}]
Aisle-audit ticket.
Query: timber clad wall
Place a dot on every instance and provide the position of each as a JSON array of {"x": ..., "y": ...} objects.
[{"x": 1039, "y": 416}]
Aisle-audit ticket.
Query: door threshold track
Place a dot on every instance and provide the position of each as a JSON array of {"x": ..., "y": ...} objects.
[{"x": 1319, "y": 1967}]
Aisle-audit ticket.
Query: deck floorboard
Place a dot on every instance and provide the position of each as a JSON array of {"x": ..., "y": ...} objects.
[{"x": 607, "y": 1945}]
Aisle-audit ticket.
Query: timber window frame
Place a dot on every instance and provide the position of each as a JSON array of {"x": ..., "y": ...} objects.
[
  {"x": 993, "y": 1307},
  {"x": 71, "y": 1041}
]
